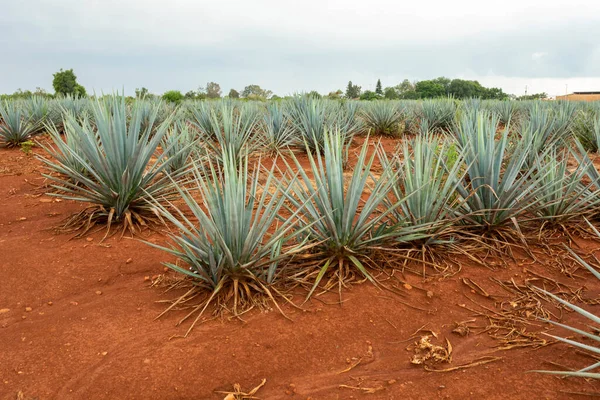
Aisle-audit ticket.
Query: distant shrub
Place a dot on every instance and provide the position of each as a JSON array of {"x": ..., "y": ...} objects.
[{"x": 173, "y": 96}]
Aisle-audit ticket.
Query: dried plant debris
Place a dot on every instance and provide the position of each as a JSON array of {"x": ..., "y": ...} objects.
[
  {"x": 430, "y": 353},
  {"x": 462, "y": 328},
  {"x": 238, "y": 394}
]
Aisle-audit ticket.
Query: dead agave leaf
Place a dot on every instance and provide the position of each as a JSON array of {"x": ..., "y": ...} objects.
[{"x": 237, "y": 393}]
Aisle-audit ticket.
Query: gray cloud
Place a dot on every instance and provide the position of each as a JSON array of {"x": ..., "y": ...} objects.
[{"x": 130, "y": 48}]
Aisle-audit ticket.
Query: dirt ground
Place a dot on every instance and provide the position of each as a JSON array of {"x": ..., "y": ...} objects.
[{"x": 77, "y": 320}]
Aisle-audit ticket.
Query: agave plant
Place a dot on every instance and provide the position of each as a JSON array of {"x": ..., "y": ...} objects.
[
  {"x": 505, "y": 110},
  {"x": 178, "y": 145},
  {"x": 312, "y": 117},
  {"x": 438, "y": 113},
  {"x": 15, "y": 128},
  {"x": 37, "y": 109},
  {"x": 116, "y": 171},
  {"x": 495, "y": 192},
  {"x": 545, "y": 128},
  {"x": 344, "y": 216},
  {"x": 563, "y": 195},
  {"x": 472, "y": 105},
  {"x": 586, "y": 128},
  {"x": 383, "y": 117},
  {"x": 77, "y": 106},
  {"x": 278, "y": 131},
  {"x": 234, "y": 246},
  {"x": 431, "y": 170},
  {"x": 228, "y": 127}
]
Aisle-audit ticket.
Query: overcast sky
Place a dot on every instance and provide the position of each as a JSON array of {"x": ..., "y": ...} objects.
[{"x": 294, "y": 46}]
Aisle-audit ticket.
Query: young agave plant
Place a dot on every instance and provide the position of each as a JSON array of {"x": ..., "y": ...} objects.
[
  {"x": 116, "y": 170},
  {"x": 495, "y": 192},
  {"x": 228, "y": 127},
  {"x": 505, "y": 110},
  {"x": 78, "y": 106},
  {"x": 278, "y": 131},
  {"x": 234, "y": 246},
  {"x": 344, "y": 217},
  {"x": 562, "y": 194},
  {"x": 431, "y": 169},
  {"x": 309, "y": 119},
  {"x": 178, "y": 144},
  {"x": 586, "y": 128},
  {"x": 383, "y": 117},
  {"x": 15, "y": 128},
  {"x": 312, "y": 117},
  {"x": 545, "y": 128},
  {"x": 37, "y": 109},
  {"x": 439, "y": 113}
]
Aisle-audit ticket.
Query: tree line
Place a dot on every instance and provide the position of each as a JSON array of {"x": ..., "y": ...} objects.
[{"x": 65, "y": 83}]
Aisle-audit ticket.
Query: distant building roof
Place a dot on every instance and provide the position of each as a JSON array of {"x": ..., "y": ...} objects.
[{"x": 586, "y": 92}]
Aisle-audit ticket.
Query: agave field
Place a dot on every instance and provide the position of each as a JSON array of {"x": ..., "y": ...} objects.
[{"x": 302, "y": 248}]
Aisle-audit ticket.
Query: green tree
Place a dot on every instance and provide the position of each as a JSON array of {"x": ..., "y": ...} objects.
[
  {"x": 534, "y": 96},
  {"x": 369, "y": 95},
  {"x": 191, "y": 94},
  {"x": 378, "y": 88},
  {"x": 173, "y": 96},
  {"x": 352, "y": 91},
  {"x": 495, "y": 93},
  {"x": 233, "y": 94},
  {"x": 314, "y": 94},
  {"x": 430, "y": 89},
  {"x": 390, "y": 93},
  {"x": 335, "y": 95},
  {"x": 140, "y": 93},
  {"x": 256, "y": 92},
  {"x": 65, "y": 82},
  {"x": 463, "y": 89},
  {"x": 213, "y": 90}
]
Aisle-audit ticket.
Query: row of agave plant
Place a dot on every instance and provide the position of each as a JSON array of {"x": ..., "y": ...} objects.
[
  {"x": 243, "y": 230},
  {"x": 293, "y": 121},
  {"x": 253, "y": 225}
]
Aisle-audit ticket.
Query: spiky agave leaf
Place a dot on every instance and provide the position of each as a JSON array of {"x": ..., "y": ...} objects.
[
  {"x": 309, "y": 118},
  {"x": 592, "y": 318},
  {"x": 37, "y": 109},
  {"x": 229, "y": 126},
  {"x": 495, "y": 192},
  {"x": 76, "y": 106},
  {"x": 430, "y": 171},
  {"x": 312, "y": 117},
  {"x": 545, "y": 128},
  {"x": 179, "y": 145},
  {"x": 278, "y": 132},
  {"x": 15, "y": 127},
  {"x": 345, "y": 215},
  {"x": 563, "y": 195},
  {"x": 234, "y": 245},
  {"x": 586, "y": 128},
  {"x": 438, "y": 113},
  {"x": 383, "y": 117},
  {"x": 505, "y": 110},
  {"x": 116, "y": 169}
]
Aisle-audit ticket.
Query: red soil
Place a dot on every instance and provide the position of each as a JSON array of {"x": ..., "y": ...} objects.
[{"x": 77, "y": 321}]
